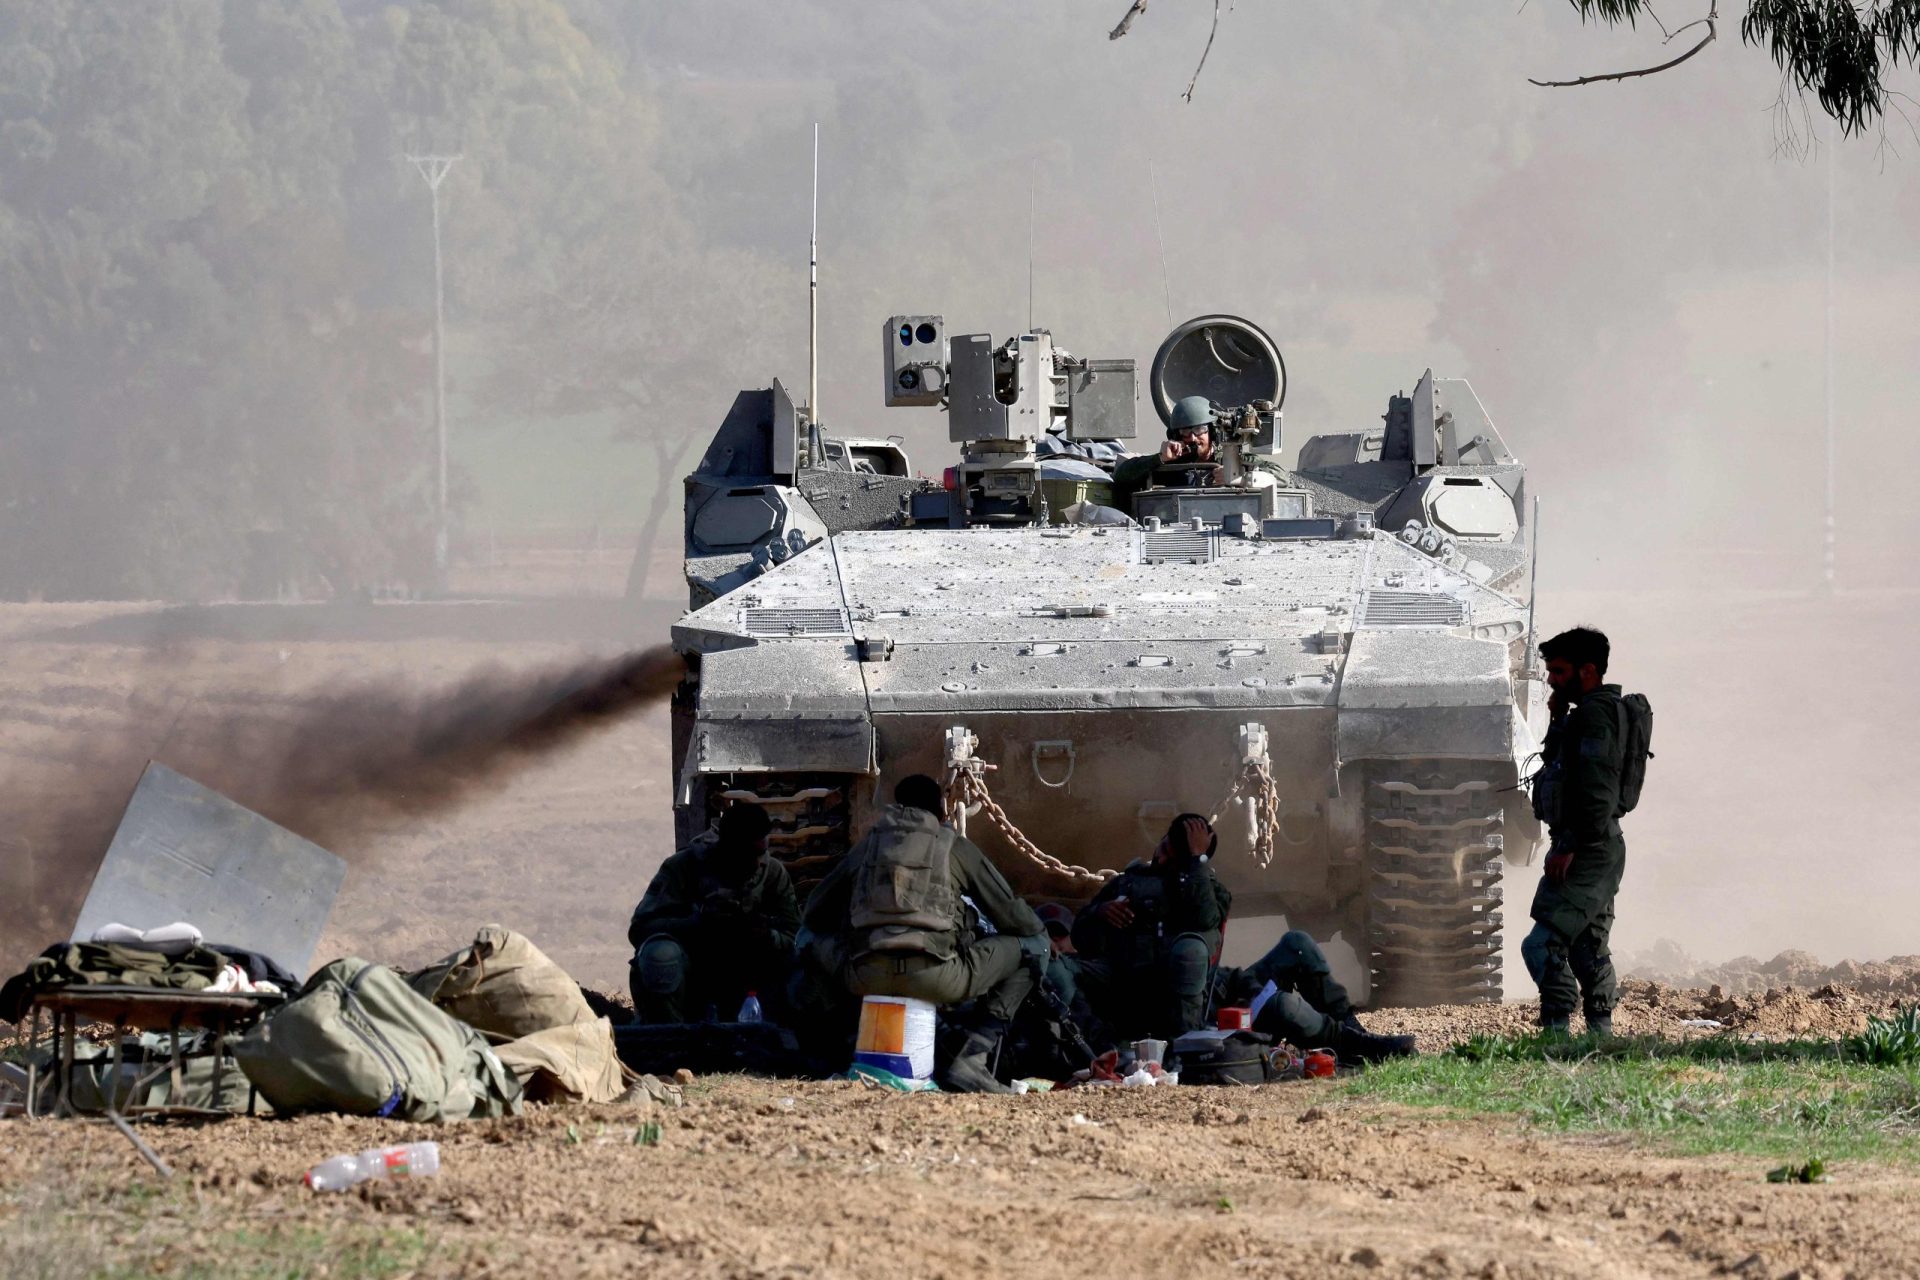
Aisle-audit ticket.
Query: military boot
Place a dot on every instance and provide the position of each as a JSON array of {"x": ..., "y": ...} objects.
[
  {"x": 1600, "y": 1026},
  {"x": 1554, "y": 1025},
  {"x": 1353, "y": 1045},
  {"x": 971, "y": 1070}
]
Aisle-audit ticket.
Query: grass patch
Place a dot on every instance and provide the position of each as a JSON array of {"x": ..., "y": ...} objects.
[
  {"x": 1797, "y": 1101},
  {"x": 290, "y": 1251},
  {"x": 144, "y": 1229}
]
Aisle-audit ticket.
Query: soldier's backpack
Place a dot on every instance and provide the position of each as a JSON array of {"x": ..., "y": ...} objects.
[
  {"x": 1224, "y": 1057},
  {"x": 534, "y": 1015},
  {"x": 1636, "y": 738},
  {"x": 503, "y": 986},
  {"x": 903, "y": 887},
  {"x": 358, "y": 1039}
]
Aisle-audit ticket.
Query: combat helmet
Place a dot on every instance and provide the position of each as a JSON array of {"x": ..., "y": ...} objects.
[{"x": 1188, "y": 413}]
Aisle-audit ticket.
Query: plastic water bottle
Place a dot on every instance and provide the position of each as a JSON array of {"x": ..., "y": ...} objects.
[
  {"x": 414, "y": 1160},
  {"x": 750, "y": 1009}
]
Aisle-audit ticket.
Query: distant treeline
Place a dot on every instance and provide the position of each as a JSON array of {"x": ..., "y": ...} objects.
[{"x": 216, "y": 276}]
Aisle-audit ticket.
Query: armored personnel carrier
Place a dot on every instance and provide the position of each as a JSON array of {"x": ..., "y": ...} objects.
[{"x": 1337, "y": 659}]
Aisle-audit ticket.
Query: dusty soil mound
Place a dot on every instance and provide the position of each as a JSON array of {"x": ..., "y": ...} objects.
[
  {"x": 1666, "y": 962},
  {"x": 1655, "y": 1008}
]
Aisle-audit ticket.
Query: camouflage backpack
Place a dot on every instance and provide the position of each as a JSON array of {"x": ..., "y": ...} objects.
[{"x": 358, "y": 1039}]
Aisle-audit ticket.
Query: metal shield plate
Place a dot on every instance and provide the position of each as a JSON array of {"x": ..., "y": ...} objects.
[{"x": 183, "y": 852}]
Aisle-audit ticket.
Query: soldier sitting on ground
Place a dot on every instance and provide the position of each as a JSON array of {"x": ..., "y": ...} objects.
[
  {"x": 718, "y": 921},
  {"x": 894, "y": 912},
  {"x": 1309, "y": 1008},
  {"x": 1147, "y": 940}
]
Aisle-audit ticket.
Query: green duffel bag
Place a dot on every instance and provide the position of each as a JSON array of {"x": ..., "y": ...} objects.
[{"x": 358, "y": 1039}]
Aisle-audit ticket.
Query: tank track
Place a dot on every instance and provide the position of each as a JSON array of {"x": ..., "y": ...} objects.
[
  {"x": 1435, "y": 849},
  {"x": 809, "y": 812}
]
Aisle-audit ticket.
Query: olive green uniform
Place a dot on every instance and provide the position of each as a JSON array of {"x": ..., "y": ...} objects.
[
  {"x": 703, "y": 939},
  {"x": 1308, "y": 1005},
  {"x": 1578, "y": 797},
  {"x": 948, "y": 966},
  {"x": 1165, "y": 955}
]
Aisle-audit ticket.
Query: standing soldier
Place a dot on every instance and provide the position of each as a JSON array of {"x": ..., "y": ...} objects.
[
  {"x": 1579, "y": 795},
  {"x": 717, "y": 923},
  {"x": 893, "y": 906}
]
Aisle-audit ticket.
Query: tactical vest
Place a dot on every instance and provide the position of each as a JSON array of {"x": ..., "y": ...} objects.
[
  {"x": 1634, "y": 715},
  {"x": 903, "y": 895}
]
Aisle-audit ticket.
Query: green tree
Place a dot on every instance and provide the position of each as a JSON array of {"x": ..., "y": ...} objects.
[
  {"x": 1842, "y": 52},
  {"x": 195, "y": 364},
  {"x": 1839, "y": 51},
  {"x": 216, "y": 277}
]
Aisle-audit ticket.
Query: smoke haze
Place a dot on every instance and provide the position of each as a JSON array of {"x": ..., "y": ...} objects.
[{"x": 331, "y": 764}]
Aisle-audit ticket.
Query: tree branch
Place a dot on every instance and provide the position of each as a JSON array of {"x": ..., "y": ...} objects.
[
  {"x": 1211, "y": 33},
  {"x": 1712, "y": 21},
  {"x": 1138, "y": 7}
]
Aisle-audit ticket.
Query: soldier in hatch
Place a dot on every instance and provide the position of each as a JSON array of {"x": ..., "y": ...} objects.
[
  {"x": 1578, "y": 796},
  {"x": 893, "y": 906},
  {"x": 718, "y": 922},
  {"x": 1190, "y": 458}
]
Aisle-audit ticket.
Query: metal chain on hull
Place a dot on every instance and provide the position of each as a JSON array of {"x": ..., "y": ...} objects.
[
  {"x": 1257, "y": 785},
  {"x": 966, "y": 788}
]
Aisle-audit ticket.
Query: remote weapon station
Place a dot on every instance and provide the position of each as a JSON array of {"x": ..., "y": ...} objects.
[{"x": 1336, "y": 659}]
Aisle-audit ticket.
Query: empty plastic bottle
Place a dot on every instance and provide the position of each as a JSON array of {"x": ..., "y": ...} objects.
[
  {"x": 414, "y": 1160},
  {"x": 750, "y": 1009}
]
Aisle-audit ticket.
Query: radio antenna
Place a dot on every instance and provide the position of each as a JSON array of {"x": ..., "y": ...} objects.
[
  {"x": 1166, "y": 287},
  {"x": 1533, "y": 577},
  {"x": 813, "y": 307},
  {"x": 1033, "y": 175}
]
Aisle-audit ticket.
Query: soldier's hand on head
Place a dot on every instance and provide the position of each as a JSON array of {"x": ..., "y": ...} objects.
[
  {"x": 1117, "y": 913},
  {"x": 1199, "y": 836}
]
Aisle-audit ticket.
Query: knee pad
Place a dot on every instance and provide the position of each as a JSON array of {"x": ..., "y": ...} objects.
[
  {"x": 660, "y": 966},
  {"x": 1187, "y": 960},
  {"x": 1589, "y": 954},
  {"x": 1299, "y": 948},
  {"x": 1541, "y": 950}
]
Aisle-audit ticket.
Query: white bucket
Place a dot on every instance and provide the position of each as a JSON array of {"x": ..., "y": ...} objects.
[{"x": 896, "y": 1034}]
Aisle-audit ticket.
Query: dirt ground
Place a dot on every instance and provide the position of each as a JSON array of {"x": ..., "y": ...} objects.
[{"x": 768, "y": 1178}]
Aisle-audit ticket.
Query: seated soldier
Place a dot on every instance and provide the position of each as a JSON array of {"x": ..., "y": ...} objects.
[
  {"x": 1147, "y": 940},
  {"x": 717, "y": 922},
  {"x": 1309, "y": 1008},
  {"x": 893, "y": 909}
]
